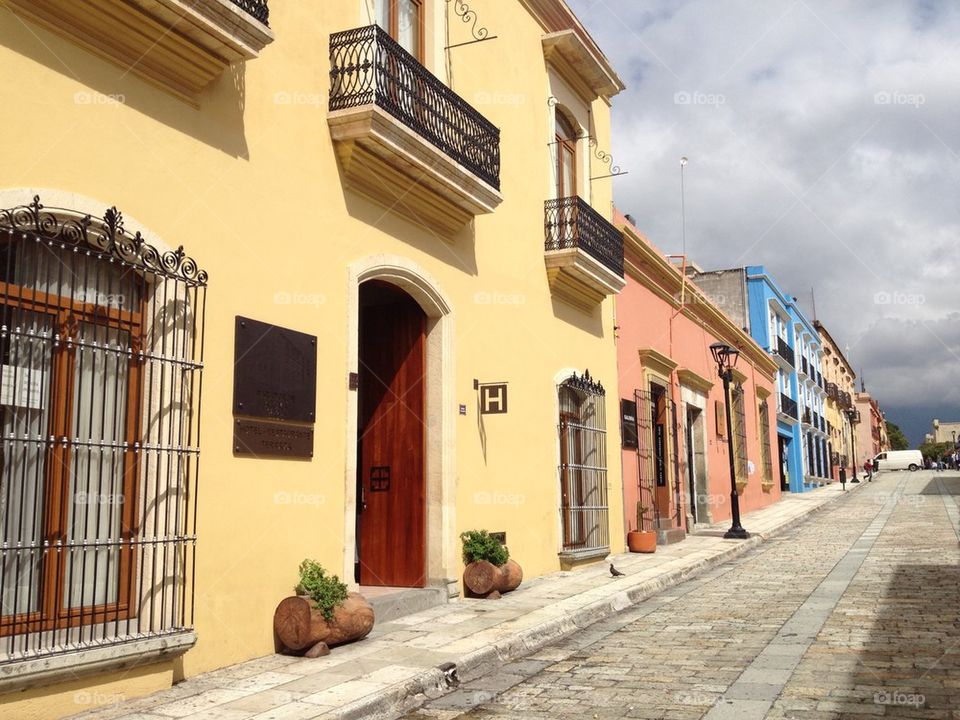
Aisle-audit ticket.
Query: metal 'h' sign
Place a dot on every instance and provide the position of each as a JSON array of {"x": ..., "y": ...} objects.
[{"x": 493, "y": 398}]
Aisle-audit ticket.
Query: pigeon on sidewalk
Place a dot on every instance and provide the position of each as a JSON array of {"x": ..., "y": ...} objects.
[{"x": 616, "y": 573}]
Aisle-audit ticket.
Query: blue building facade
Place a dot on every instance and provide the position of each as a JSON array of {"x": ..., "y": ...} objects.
[
  {"x": 778, "y": 324},
  {"x": 773, "y": 319}
]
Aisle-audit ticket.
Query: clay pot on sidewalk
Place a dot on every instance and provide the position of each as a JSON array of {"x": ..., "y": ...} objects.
[
  {"x": 643, "y": 541},
  {"x": 302, "y": 629}
]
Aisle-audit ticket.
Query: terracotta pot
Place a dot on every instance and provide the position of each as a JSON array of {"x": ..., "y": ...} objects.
[{"x": 643, "y": 541}]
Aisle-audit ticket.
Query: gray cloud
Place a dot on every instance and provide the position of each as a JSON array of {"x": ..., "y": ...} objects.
[{"x": 823, "y": 143}]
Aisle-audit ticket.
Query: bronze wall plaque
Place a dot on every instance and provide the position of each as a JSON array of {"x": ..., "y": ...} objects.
[
  {"x": 256, "y": 437},
  {"x": 275, "y": 372}
]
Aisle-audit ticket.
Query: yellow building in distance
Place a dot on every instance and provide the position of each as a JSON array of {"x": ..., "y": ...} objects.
[
  {"x": 332, "y": 282},
  {"x": 841, "y": 398}
]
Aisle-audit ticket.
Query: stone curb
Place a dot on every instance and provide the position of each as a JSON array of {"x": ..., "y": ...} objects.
[{"x": 400, "y": 697}]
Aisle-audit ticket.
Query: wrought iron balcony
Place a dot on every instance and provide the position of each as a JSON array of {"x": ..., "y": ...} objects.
[
  {"x": 833, "y": 391},
  {"x": 259, "y": 9},
  {"x": 404, "y": 138},
  {"x": 785, "y": 351},
  {"x": 583, "y": 252},
  {"x": 788, "y": 406},
  {"x": 571, "y": 223}
]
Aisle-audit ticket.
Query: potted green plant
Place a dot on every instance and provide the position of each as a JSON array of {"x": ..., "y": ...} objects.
[
  {"x": 489, "y": 570},
  {"x": 640, "y": 540},
  {"x": 321, "y": 614}
]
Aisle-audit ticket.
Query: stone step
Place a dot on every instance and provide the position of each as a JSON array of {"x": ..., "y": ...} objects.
[
  {"x": 669, "y": 536},
  {"x": 392, "y": 603}
]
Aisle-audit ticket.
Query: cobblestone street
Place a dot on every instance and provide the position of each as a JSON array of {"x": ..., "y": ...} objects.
[{"x": 851, "y": 614}]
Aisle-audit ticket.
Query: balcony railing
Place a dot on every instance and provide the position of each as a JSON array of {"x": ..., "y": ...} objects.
[
  {"x": 805, "y": 366},
  {"x": 788, "y": 406},
  {"x": 785, "y": 351},
  {"x": 833, "y": 391},
  {"x": 367, "y": 67},
  {"x": 255, "y": 8},
  {"x": 571, "y": 223},
  {"x": 806, "y": 416}
]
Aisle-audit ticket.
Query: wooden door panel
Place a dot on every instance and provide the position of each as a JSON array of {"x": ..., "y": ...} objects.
[{"x": 391, "y": 445}]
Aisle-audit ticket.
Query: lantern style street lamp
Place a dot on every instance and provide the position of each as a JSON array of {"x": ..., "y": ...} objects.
[
  {"x": 726, "y": 359},
  {"x": 854, "y": 416}
]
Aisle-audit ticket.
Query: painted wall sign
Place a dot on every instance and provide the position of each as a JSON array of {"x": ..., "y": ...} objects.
[
  {"x": 256, "y": 437},
  {"x": 275, "y": 372}
]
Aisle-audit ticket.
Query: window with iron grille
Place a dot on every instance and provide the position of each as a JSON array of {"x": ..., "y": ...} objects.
[
  {"x": 101, "y": 343},
  {"x": 740, "y": 433},
  {"x": 766, "y": 454},
  {"x": 583, "y": 464}
]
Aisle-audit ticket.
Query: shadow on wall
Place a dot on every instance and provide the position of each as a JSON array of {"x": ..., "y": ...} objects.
[
  {"x": 587, "y": 322},
  {"x": 219, "y": 122}
]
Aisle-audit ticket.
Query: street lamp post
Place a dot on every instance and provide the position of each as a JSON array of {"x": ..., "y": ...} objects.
[
  {"x": 854, "y": 416},
  {"x": 726, "y": 359}
]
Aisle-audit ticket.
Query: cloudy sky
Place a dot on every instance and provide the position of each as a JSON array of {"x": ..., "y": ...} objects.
[{"x": 823, "y": 139}]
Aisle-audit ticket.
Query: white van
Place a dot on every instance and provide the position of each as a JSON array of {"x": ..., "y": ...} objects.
[{"x": 898, "y": 460}]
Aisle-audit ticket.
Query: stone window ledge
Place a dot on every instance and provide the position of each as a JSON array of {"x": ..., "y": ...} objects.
[{"x": 31, "y": 673}]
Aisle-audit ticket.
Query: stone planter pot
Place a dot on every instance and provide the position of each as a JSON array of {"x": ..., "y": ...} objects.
[{"x": 302, "y": 629}]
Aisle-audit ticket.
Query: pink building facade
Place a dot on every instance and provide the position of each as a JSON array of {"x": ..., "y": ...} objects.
[{"x": 673, "y": 423}]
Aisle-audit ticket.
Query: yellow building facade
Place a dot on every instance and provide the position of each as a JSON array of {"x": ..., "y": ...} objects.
[
  {"x": 841, "y": 394},
  {"x": 334, "y": 282}
]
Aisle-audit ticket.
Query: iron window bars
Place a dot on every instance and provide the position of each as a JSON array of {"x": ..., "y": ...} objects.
[
  {"x": 570, "y": 222},
  {"x": 766, "y": 454},
  {"x": 255, "y": 8},
  {"x": 658, "y": 450},
  {"x": 102, "y": 344},
  {"x": 367, "y": 67},
  {"x": 582, "y": 426},
  {"x": 740, "y": 433}
]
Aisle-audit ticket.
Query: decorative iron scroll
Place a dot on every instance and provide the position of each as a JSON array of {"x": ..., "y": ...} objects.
[
  {"x": 570, "y": 222},
  {"x": 367, "y": 67},
  {"x": 585, "y": 384},
  {"x": 469, "y": 16},
  {"x": 256, "y": 8},
  {"x": 106, "y": 236}
]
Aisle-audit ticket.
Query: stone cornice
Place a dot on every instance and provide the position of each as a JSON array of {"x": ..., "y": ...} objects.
[
  {"x": 693, "y": 380},
  {"x": 555, "y": 17},
  {"x": 658, "y": 362},
  {"x": 648, "y": 266}
]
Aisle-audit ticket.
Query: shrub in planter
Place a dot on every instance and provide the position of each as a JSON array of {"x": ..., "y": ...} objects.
[
  {"x": 321, "y": 614},
  {"x": 489, "y": 570}
]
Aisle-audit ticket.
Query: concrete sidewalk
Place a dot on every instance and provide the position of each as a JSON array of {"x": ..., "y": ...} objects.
[{"x": 401, "y": 660}]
